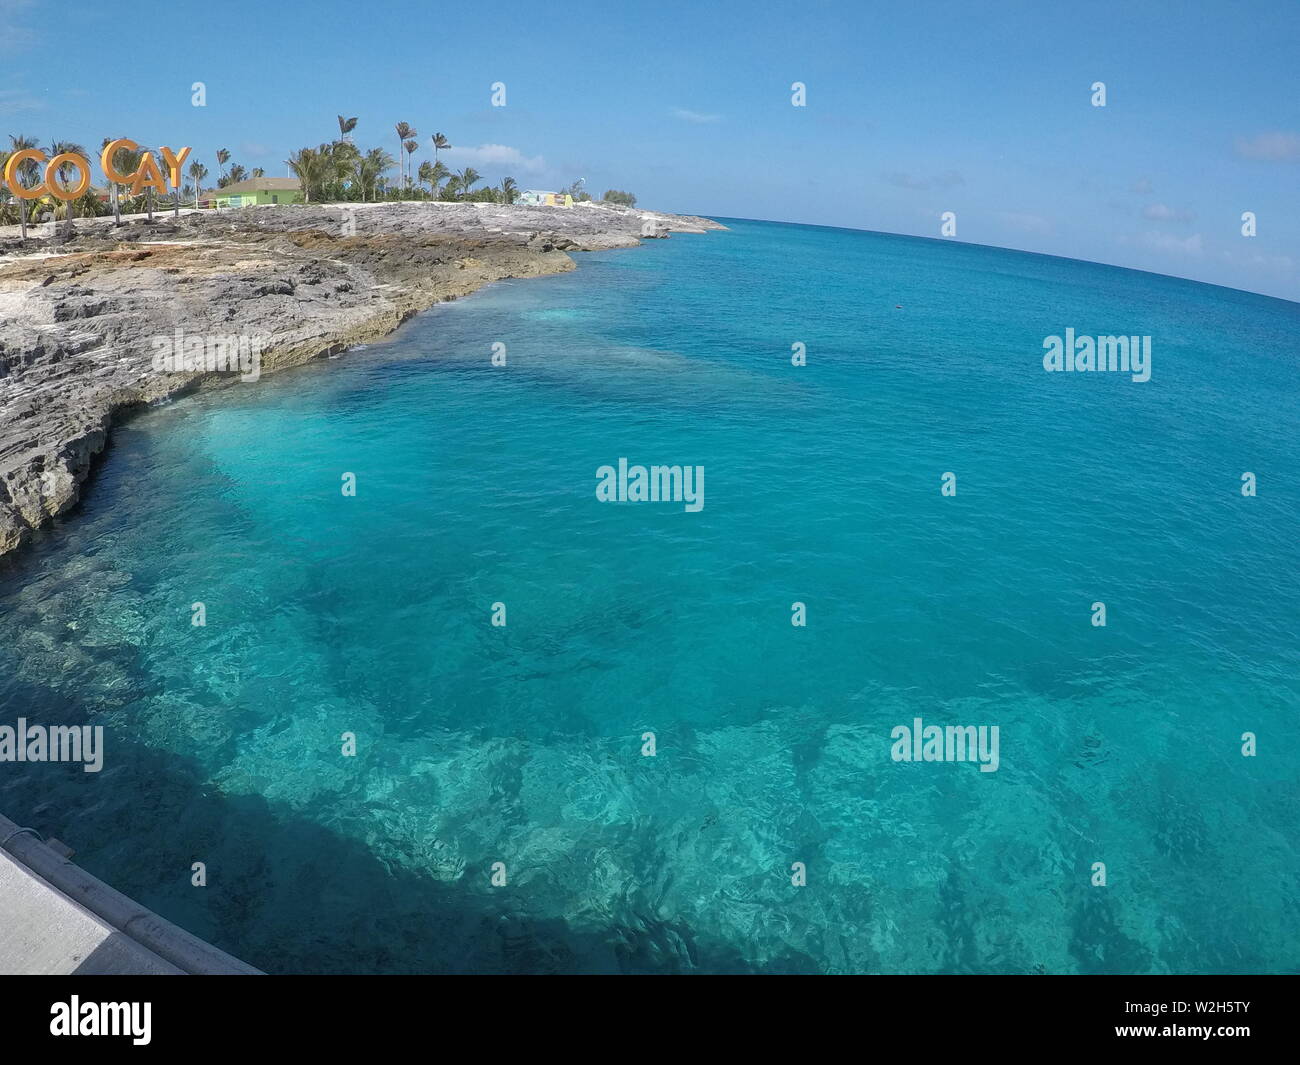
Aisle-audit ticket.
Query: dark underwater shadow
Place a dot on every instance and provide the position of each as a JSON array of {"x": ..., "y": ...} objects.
[{"x": 289, "y": 895}]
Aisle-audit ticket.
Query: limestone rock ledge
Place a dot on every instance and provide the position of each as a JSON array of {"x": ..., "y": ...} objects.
[{"x": 78, "y": 317}]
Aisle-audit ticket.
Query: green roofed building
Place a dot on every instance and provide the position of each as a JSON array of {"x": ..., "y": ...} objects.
[{"x": 255, "y": 191}]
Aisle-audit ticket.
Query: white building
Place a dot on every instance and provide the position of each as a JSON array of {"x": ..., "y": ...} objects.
[{"x": 538, "y": 198}]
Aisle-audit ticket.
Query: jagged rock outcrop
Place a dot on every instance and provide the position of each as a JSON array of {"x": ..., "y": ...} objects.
[{"x": 78, "y": 319}]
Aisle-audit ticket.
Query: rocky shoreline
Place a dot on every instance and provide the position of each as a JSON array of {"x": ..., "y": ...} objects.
[{"x": 78, "y": 315}]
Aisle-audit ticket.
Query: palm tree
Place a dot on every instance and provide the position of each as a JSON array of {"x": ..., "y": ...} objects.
[
  {"x": 405, "y": 132},
  {"x": 237, "y": 174},
  {"x": 314, "y": 168},
  {"x": 432, "y": 173},
  {"x": 467, "y": 178},
  {"x": 88, "y": 206},
  {"x": 64, "y": 172},
  {"x": 411, "y": 146},
  {"x": 305, "y": 164},
  {"x": 425, "y": 174},
  {"x": 29, "y": 171},
  {"x": 198, "y": 172},
  {"x": 176, "y": 197},
  {"x": 509, "y": 190},
  {"x": 370, "y": 167},
  {"x": 112, "y": 187},
  {"x": 439, "y": 141},
  {"x": 142, "y": 151},
  {"x": 257, "y": 172},
  {"x": 451, "y": 190},
  {"x": 346, "y": 126},
  {"x": 223, "y": 157},
  {"x": 124, "y": 162},
  {"x": 341, "y": 165}
]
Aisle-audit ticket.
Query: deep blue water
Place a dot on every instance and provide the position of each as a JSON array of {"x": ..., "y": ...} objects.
[{"x": 522, "y": 744}]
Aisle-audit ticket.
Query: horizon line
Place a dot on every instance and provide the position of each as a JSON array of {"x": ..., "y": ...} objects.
[{"x": 997, "y": 247}]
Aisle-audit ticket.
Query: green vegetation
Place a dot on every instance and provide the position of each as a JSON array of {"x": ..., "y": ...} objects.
[
  {"x": 65, "y": 175},
  {"x": 339, "y": 172},
  {"x": 405, "y": 138},
  {"x": 336, "y": 171},
  {"x": 30, "y": 173},
  {"x": 125, "y": 162}
]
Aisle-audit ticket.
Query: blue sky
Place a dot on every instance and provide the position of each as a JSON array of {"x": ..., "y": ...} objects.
[{"x": 913, "y": 109}]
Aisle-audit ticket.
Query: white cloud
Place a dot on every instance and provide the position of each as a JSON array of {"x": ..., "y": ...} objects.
[
  {"x": 1143, "y": 187},
  {"x": 1279, "y": 264},
  {"x": 1027, "y": 223},
  {"x": 14, "y": 101},
  {"x": 1167, "y": 245},
  {"x": 904, "y": 180},
  {"x": 14, "y": 36},
  {"x": 254, "y": 149},
  {"x": 1159, "y": 212},
  {"x": 1275, "y": 147},
  {"x": 496, "y": 155},
  {"x": 694, "y": 116}
]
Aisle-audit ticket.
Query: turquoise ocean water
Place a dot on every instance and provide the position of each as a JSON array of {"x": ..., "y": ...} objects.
[{"x": 523, "y": 744}]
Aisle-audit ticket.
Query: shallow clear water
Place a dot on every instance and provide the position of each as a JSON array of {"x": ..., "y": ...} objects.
[{"x": 522, "y": 745}]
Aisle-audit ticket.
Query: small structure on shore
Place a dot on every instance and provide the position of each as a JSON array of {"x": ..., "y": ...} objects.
[
  {"x": 255, "y": 191},
  {"x": 538, "y": 198}
]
